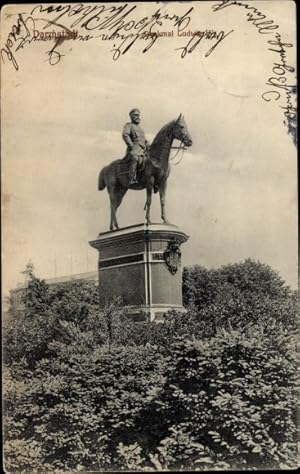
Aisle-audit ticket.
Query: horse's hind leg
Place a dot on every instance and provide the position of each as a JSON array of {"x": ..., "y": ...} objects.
[
  {"x": 120, "y": 193},
  {"x": 116, "y": 196},
  {"x": 113, "y": 208}
]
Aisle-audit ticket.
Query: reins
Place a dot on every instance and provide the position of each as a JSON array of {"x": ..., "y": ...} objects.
[{"x": 181, "y": 147}]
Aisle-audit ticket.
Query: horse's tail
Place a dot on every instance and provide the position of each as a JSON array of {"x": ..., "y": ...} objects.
[{"x": 101, "y": 180}]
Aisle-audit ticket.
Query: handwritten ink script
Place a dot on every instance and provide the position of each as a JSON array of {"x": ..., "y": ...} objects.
[
  {"x": 119, "y": 24},
  {"x": 20, "y": 35},
  {"x": 280, "y": 83}
]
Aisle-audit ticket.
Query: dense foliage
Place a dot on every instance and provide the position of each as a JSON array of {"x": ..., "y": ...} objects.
[
  {"x": 237, "y": 294},
  {"x": 230, "y": 399},
  {"x": 213, "y": 388}
]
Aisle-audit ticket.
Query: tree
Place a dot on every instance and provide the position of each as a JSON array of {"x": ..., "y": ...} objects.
[
  {"x": 36, "y": 294},
  {"x": 64, "y": 312},
  {"x": 238, "y": 294},
  {"x": 74, "y": 300}
]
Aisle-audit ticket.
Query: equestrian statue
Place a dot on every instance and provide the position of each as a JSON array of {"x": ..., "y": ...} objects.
[{"x": 144, "y": 166}]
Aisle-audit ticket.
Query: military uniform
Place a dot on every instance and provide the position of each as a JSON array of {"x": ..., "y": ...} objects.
[{"x": 134, "y": 137}]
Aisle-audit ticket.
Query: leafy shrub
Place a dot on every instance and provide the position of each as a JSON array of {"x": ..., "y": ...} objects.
[
  {"x": 74, "y": 300},
  {"x": 77, "y": 408},
  {"x": 230, "y": 398}
]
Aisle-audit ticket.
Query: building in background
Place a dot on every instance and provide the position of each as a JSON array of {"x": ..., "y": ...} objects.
[{"x": 15, "y": 300}]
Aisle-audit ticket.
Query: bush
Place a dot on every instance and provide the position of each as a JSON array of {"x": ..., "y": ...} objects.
[
  {"x": 74, "y": 300},
  {"x": 77, "y": 408},
  {"x": 162, "y": 335},
  {"x": 231, "y": 399},
  {"x": 226, "y": 402},
  {"x": 212, "y": 388}
]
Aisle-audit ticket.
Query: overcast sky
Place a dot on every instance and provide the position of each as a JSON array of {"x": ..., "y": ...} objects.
[{"x": 234, "y": 193}]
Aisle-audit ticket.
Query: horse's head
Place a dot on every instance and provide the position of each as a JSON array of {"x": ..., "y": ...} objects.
[{"x": 180, "y": 131}]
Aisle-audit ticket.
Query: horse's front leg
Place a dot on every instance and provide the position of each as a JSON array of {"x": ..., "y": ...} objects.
[
  {"x": 148, "y": 203},
  {"x": 113, "y": 220},
  {"x": 162, "y": 195}
]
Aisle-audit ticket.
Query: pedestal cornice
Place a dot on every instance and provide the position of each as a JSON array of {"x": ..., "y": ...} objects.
[{"x": 139, "y": 232}]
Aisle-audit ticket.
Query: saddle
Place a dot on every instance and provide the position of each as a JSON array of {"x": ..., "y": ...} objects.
[{"x": 124, "y": 165}]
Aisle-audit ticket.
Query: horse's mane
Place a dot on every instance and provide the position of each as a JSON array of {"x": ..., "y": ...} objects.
[{"x": 161, "y": 135}]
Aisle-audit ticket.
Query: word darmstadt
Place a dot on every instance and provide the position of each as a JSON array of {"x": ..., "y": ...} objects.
[{"x": 49, "y": 35}]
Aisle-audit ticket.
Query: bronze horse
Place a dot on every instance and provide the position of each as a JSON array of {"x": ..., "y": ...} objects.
[{"x": 154, "y": 174}]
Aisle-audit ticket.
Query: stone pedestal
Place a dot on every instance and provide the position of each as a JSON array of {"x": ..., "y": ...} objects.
[{"x": 142, "y": 265}]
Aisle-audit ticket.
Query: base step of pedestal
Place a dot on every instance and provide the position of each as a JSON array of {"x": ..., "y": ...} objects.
[{"x": 150, "y": 314}]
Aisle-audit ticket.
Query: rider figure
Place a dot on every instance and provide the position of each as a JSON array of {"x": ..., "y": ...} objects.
[{"x": 137, "y": 145}]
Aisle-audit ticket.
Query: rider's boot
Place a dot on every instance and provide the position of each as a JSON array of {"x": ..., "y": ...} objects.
[{"x": 132, "y": 173}]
